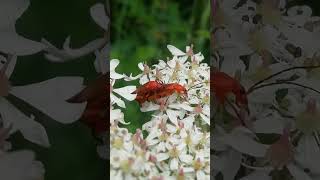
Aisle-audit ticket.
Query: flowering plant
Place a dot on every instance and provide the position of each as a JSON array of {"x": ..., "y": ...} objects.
[
  {"x": 27, "y": 109},
  {"x": 269, "y": 47},
  {"x": 175, "y": 142}
]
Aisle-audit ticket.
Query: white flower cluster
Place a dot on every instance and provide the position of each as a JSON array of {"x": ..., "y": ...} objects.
[
  {"x": 19, "y": 164},
  {"x": 177, "y": 144},
  {"x": 48, "y": 96},
  {"x": 266, "y": 46}
]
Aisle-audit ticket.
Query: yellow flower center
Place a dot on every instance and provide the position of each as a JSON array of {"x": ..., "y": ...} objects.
[
  {"x": 197, "y": 165},
  {"x": 206, "y": 99},
  {"x": 163, "y": 137},
  {"x": 188, "y": 140},
  {"x": 174, "y": 76},
  {"x": 117, "y": 143},
  {"x": 177, "y": 67},
  {"x": 174, "y": 152},
  {"x": 125, "y": 165}
]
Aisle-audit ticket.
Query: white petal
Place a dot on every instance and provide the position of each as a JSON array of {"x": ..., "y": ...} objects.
[
  {"x": 113, "y": 64},
  {"x": 200, "y": 175},
  {"x": 30, "y": 129},
  {"x": 115, "y": 75},
  {"x": 174, "y": 164},
  {"x": 162, "y": 157},
  {"x": 35, "y": 132},
  {"x": 16, "y": 165},
  {"x": 11, "y": 66},
  {"x": 50, "y": 97},
  {"x": 298, "y": 173},
  {"x": 131, "y": 78},
  {"x": 261, "y": 175},
  {"x": 188, "y": 169},
  {"x": 173, "y": 116},
  {"x": 205, "y": 119},
  {"x": 12, "y": 43},
  {"x": 118, "y": 101},
  {"x": 184, "y": 106},
  {"x": 308, "y": 154},
  {"x": 268, "y": 125},
  {"x": 183, "y": 59},
  {"x": 199, "y": 57},
  {"x": 232, "y": 64},
  {"x": 172, "y": 62},
  {"x": 175, "y": 51},
  {"x": 245, "y": 144},
  {"x": 10, "y": 11},
  {"x": 171, "y": 129},
  {"x": 141, "y": 66},
  {"x": 188, "y": 122},
  {"x": 99, "y": 15},
  {"x": 147, "y": 106},
  {"x": 126, "y": 92},
  {"x": 116, "y": 114},
  {"x": 144, "y": 79},
  {"x": 186, "y": 158},
  {"x": 228, "y": 164}
]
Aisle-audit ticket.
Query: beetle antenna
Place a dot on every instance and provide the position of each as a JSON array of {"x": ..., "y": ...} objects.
[
  {"x": 286, "y": 82},
  {"x": 278, "y": 73},
  {"x": 194, "y": 86}
]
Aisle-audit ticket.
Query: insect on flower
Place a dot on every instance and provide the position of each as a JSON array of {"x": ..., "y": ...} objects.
[
  {"x": 147, "y": 90},
  {"x": 154, "y": 90},
  {"x": 95, "y": 114},
  {"x": 222, "y": 85}
]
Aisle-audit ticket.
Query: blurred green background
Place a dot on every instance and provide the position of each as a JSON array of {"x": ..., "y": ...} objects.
[
  {"x": 73, "y": 151},
  {"x": 141, "y": 30}
]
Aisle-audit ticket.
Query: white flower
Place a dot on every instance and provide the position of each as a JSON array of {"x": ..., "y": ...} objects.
[
  {"x": 55, "y": 91},
  {"x": 20, "y": 165},
  {"x": 255, "y": 40},
  {"x": 125, "y": 92},
  {"x": 11, "y": 42},
  {"x": 113, "y": 74},
  {"x": 176, "y": 146},
  {"x": 99, "y": 15}
]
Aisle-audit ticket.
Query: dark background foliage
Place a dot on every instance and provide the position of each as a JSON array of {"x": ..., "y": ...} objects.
[{"x": 72, "y": 154}]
